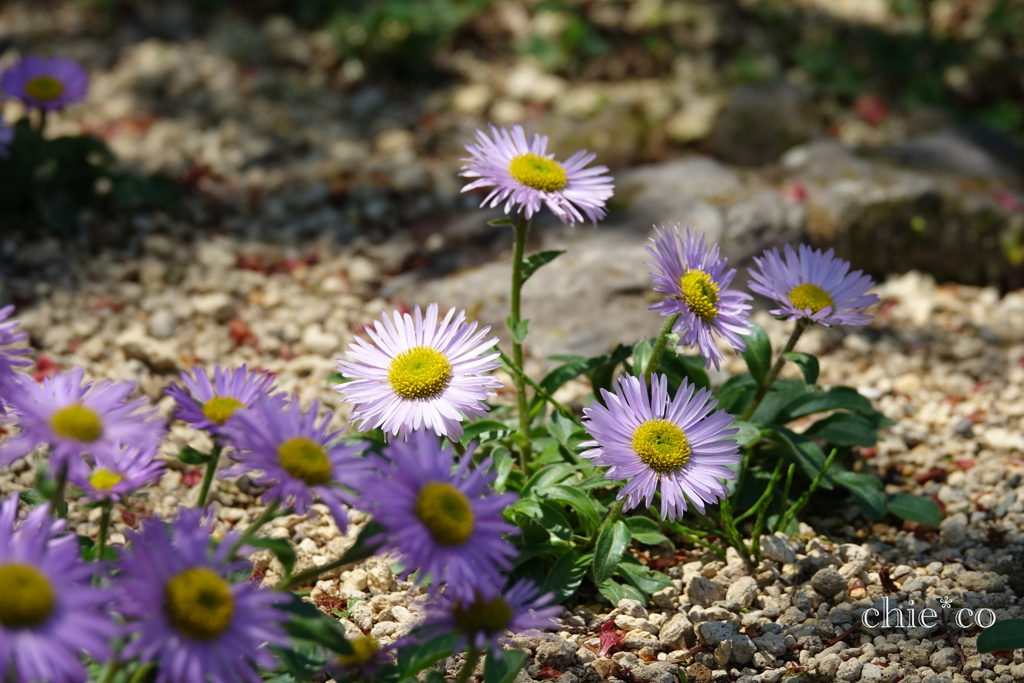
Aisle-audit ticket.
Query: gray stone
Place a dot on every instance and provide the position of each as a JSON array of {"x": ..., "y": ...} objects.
[
  {"x": 657, "y": 672},
  {"x": 162, "y": 324},
  {"x": 828, "y": 665},
  {"x": 943, "y": 659},
  {"x": 777, "y": 549},
  {"x": 217, "y": 305},
  {"x": 632, "y": 608},
  {"x": 772, "y": 643},
  {"x": 761, "y": 121},
  {"x": 828, "y": 581},
  {"x": 677, "y": 632},
  {"x": 743, "y": 649},
  {"x": 557, "y": 654},
  {"x": 743, "y": 590},
  {"x": 982, "y": 582},
  {"x": 702, "y": 591},
  {"x": 916, "y": 655},
  {"x": 160, "y": 356},
  {"x": 711, "y": 633},
  {"x": 973, "y": 152},
  {"x": 849, "y": 670}
]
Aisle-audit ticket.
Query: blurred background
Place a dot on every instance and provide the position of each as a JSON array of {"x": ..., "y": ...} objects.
[{"x": 274, "y": 135}]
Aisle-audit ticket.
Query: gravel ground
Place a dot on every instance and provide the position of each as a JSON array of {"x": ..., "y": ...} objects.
[{"x": 944, "y": 362}]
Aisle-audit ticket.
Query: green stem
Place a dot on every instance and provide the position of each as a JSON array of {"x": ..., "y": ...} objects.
[
  {"x": 769, "y": 379},
  {"x": 693, "y": 536},
  {"x": 729, "y": 527},
  {"x": 110, "y": 670},
  {"x": 795, "y": 509},
  {"x": 302, "y": 578},
  {"x": 211, "y": 469},
  {"x": 467, "y": 668},
  {"x": 522, "y": 229},
  {"x": 268, "y": 514},
  {"x": 659, "y": 348},
  {"x": 59, "y": 504},
  {"x": 614, "y": 510},
  {"x": 141, "y": 672},
  {"x": 565, "y": 410},
  {"x": 460, "y": 450},
  {"x": 101, "y": 542},
  {"x": 765, "y": 497},
  {"x": 762, "y": 511},
  {"x": 42, "y": 123},
  {"x": 785, "y": 490}
]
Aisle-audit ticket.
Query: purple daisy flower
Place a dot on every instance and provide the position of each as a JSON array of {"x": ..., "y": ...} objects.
[
  {"x": 10, "y": 380},
  {"x": 697, "y": 282},
  {"x": 115, "y": 474},
  {"x": 301, "y": 460},
  {"x": 49, "y": 610},
  {"x": 6, "y": 138},
  {"x": 813, "y": 286},
  {"x": 422, "y": 374},
  {"x": 46, "y": 82},
  {"x": 211, "y": 404},
  {"x": 483, "y": 621},
  {"x": 447, "y": 524},
  {"x": 523, "y": 174},
  {"x": 185, "y": 614},
  {"x": 76, "y": 419},
  {"x": 679, "y": 443}
]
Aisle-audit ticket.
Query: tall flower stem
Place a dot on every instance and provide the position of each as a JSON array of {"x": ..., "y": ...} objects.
[
  {"x": 522, "y": 229},
  {"x": 101, "y": 542},
  {"x": 59, "y": 504},
  {"x": 467, "y": 668},
  {"x": 659, "y": 348},
  {"x": 211, "y": 469},
  {"x": 773, "y": 372}
]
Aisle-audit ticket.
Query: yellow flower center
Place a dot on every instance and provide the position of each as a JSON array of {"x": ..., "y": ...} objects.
[
  {"x": 198, "y": 603},
  {"x": 45, "y": 88},
  {"x": 446, "y": 513},
  {"x": 810, "y": 296},
  {"x": 492, "y": 616},
  {"x": 104, "y": 479},
  {"x": 661, "y": 445},
  {"x": 305, "y": 459},
  {"x": 26, "y": 599},
  {"x": 219, "y": 408},
  {"x": 363, "y": 650},
  {"x": 540, "y": 173},
  {"x": 700, "y": 293},
  {"x": 77, "y": 422},
  {"x": 419, "y": 372}
]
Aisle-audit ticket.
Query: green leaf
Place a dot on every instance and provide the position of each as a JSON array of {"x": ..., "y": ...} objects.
[
  {"x": 594, "y": 481},
  {"x": 519, "y": 329},
  {"x": 612, "y": 541},
  {"x": 836, "y": 398},
  {"x": 503, "y": 461},
  {"x": 415, "y": 658},
  {"x": 476, "y": 431},
  {"x": 844, "y": 429},
  {"x": 281, "y": 548},
  {"x": 567, "y": 574},
  {"x": 615, "y": 592},
  {"x": 548, "y": 475},
  {"x": 504, "y": 669},
  {"x": 646, "y": 580},
  {"x": 564, "y": 429},
  {"x": 866, "y": 488},
  {"x": 306, "y": 622},
  {"x": 532, "y": 263},
  {"x": 601, "y": 377},
  {"x": 501, "y": 221},
  {"x": 191, "y": 456},
  {"x": 917, "y": 508},
  {"x": 642, "y": 352},
  {"x": 782, "y": 393},
  {"x": 587, "y": 509},
  {"x": 758, "y": 352},
  {"x": 1002, "y": 635},
  {"x": 31, "y": 497},
  {"x": 691, "y": 368},
  {"x": 807, "y": 454},
  {"x": 645, "y": 530},
  {"x": 808, "y": 365},
  {"x": 337, "y": 378},
  {"x": 735, "y": 394},
  {"x": 747, "y": 434}
]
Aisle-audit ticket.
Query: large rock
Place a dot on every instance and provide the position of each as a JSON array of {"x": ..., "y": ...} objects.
[{"x": 761, "y": 121}]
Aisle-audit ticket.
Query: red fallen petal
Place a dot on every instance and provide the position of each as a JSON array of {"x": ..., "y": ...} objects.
[
  {"x": 1017, "y": 462},
  {"x": 795, "y": 192},
  {"x": 964, "y": 464},
  {"x": 191, "y": 477},
  {"x": 932, "y": 474},
  {"x": 548, "y": 672},
  {"x": 609, "y": 637},
  {"x": 1007, "y": 200},
  {"x": 872, "y": 109},
  {"x": 45, "y": 367}
]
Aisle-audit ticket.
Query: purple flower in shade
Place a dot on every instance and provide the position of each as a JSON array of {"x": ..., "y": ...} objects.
[
  {"x": 10, "y": 382},
  {"x": 483, "y": 620},
  {"x": 211, "y": 404},
  {"x": 367, "y": 657},
  {"x": 421, "y": 374},
  {"x": 679, "y": 443},
  {"x": 523, "y": 174},
  {"x": 447, "y": 524},
  {"x": 49, "y": 610},
  {"x": 813, "y": 286},
  {"x": 46, "y": 82},
  {"x": 76, "y": 419},
  {"x": 6, "y": 138},
  {"x": 696, "y": 283},
  {"x": 115, "y": 474},
  {"x": 185, "y": 614},
  {"x": 301, "y": 460}
]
